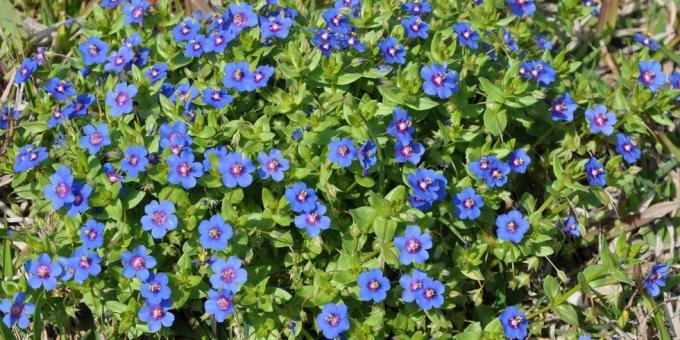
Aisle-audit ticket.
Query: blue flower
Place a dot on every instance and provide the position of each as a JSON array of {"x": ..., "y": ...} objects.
[
  {"x": 627, "y": 148},
  {"x": 195, "y": 46},
  {"x": 60, "y": 89},
  {"x": 28, "y": 157},
  {"x": 155, "y": 288},
  {"x": 160, "y": 218},
  {"x": 157, "y": 72},
  {"x": 543, "y": 42},
  {"x": 439, "y": 81},
  {"x": 412, "y": 285},
  {"x": 510, "y": 41},
  {"x": 238, "y": 76},
  {"x": 135, "y": 11},
  {"x": 539, "y": 71},
  {"x": 261, "y": 76},
  {"x": 342, "y": 152},
  {"x": 5, "y": 115},
  {"x": 78, "y": 107},
  {"x": 236, "y": 170},
  {"x": 584, "y": 337},
  {"x": 570, "y": 226},
  {"x": 351, "y": 40},
  {"x": 117, "y": 60},
  {"x": 563, "y": 108},
  {"x": 431, "y": 295},
  {"x": 519, "y": 161},
  {"x": 332, "y": 321},
  {"x": 241, "y": 16},
  {"x": 512, "y": 226},
  {"x": 85, "y": 263},
  {"x": 183, "y": 169},
  {"x": 417, "y": 7},
  {"x": 94, "y": 51},
  {"x": 413, "y": 246},
  {"x": 367, "y": 156},
  {"x": 497, "y": 173},
  {"x": 468, "y": 204},
  {"x": 120, "y": 99},
  {"x": 228, "y": 274},
  {"x": 656, "y": 278},
  {"x": 427, "y": 184},
  {"x": 300, "y": 197},
  {"x": 134, "y": 161},
  {"x": 111, "y": 173},
  {"x": 401, "y": 126},
  {"x": 514, "y": 323},
  {"x": 336, "y": 21},
  {"x": 218, "y": 153},
  {"x": 137, "y": 263},
  {"x": 186, "y": 30},
  {"x": 157, "y": 316},
  {"x": 596, "y": 11},
  {"x": 92, "y": 234},
  {"x": 297, "y": 134},
  {"x": 410, "y": 152},
  {"x": 373, "y": 285},
  {"x": 272, "y": 164},
  {"x": 174, "y": 136},
  {"x": 275, "y": 26},
  {"x": 601, "y": 120},
  {"x": 647, "y": 41},
  {"x": 185, "y": 92},
  {"x": 59, "y": 189},
  {"x": 215, "y": 233},
  {"x": 68, "y": 271},
  {"x": 521, "y": 7},
  {"x": 674, "y": 80},
  {"x": 218, "y": 40},
  {"x": 415, "y": 27},
  {"x": 43, "y": 272},
  {"x": 651, "y": 75},
  {"x": 353, "y": 6},
  {"x": 219, "y": 304},
  {"x": 26, "y": 69},
  {"x": 95, "y": 138},
  {"x": 17, "y": 311},
  {"x": 313, "y": 220},
  {"x": 81, "y": 194},
  {"x": 326, "y": 41},
  {"x": 393, "y": 52},
  {"x": 466, "y": 36},
  {"x": 135, "y": 39},
  {"x": 596, "y": 173},
  {"x": 57, "y": 118}
]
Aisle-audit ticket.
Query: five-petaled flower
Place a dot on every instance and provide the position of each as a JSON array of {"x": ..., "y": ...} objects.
[
  {"x": 439, "y": 81},
  {"x": 342, "y": 152},
  {"x": 120, "y": 99},
  {"x": 596, "y": 173},
  {"x": 656, "y": 278},
  {"x": 137, "y": 263},
  {"x": 601, "y": 120},
  {"x": 215, "y": 233},
  {"x": 236, "y": 170},
  {"x": 512, "y": 226},
  {"x": 468, "y": 204},
  {"x": 373, "y": 286},
  {"x": 228, "y": 274},
  {"x": 514, "y": 323},
  {"x": 17, "y": 311},
  {"x": 333, "y": 320},
  {"x": 160, "y": 218},
  {"x": 313, "y": 220},
  {"x": 43, "y": 272},
  {"x": 413, "y": 245},
  {"x": 219, "y": 304}
]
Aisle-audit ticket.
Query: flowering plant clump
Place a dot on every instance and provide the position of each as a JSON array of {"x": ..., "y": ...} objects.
[{"x": 359, "y": 169}]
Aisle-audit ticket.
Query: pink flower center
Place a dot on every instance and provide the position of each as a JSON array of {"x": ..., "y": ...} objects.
[
  {"x": 223, "y": 303},
  {"x": 275, "y": 27},
  {"x": 512, "y": 227},
  {"x": 272, "y": 165},
  {"x": 157, "y": 312},
  {"x": 312, "y": 218},
  {"x": 515, "y": 321},
  {"x": 238, "y": 74},
  {"x": 137, "y": 12},
  {"x": 96, "y": 138},
  {"x": 137, "y": 262},
  {"x": 43, "y": 271},
  {"x": 301, "y": 196},
  {"x": 412, "y": 246},
  {"x": 118, "y": 60},
  {"x": 495, "y": 173},
  {"x": 122, "y": 98},
  {"x": 93, "y": 50},
  {"x": 429, "y": 293},
  {"x": 228, "y": 275},
  {"x": 92, "y": 234},
  {"x": 17, "y": 309},
  {"x": 155, "y": 287},
  {"x": 158, "y": 218},
  {"x": 184, "y": 169},
  {"x": 406, "y": 151},
  {"x": 333, "y": 319},
  {"x": 373, "y": 285},
  {"x": 423, "y": 184},
  {"x": 215, "y": 233},
  {"x": 600, "y": 119},
  {"x": 415, "y": 285},
  {"x": 343, "y": 150},
  {"x": 216, "y": 95},
  {"x": 239, "y": 19},
  {"x": 133, "y": 160},
  {"x": 62, "y": 190},
  {"x": 469, "y": 203},
  {"x": 403, "y": 125},
  {"x": 517, "y": 161},
  {"x": 236, "y": 169},
  {"x": 84, "y": 262},
  {"x": 627, "y": 147},
  {"x": 438, "y": 79}
]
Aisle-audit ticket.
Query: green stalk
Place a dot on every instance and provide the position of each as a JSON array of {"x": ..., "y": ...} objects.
[{"x": 560, "y": 300}]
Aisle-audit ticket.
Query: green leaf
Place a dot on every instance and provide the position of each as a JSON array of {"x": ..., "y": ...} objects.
[
  {"x": 567, "y": 313},
  {"x": 472, "y": 331},
  {"x": 493, "y": 92},
  {"x": 551, "y": 287},
  {"x": 495, "y": 121}
]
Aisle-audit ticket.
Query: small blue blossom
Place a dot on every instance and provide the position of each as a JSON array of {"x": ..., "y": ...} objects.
[
  {"x": 160, "y": 218},
  {"x": 137, "y": 263},
  {"x": 467, "y": 204},
  {"x": 134, "y": 161},
  {"x": 342, "y": 152},
  {"x": 272, "y": 165},
  {"x": 313, "y": 220},
  {"x": 228, "y": 274},
  {"x": 563, "y": 108},
  {"x": 26, "y": 69},
  {"x": 417, "y": 7},
  {"x": 85, "y": 263},
  {"x": 656, "y": 278},
  {"x": 543, "y": 42},
  {"x": 466, "y": 36},
  {"x": 401, "y": 126},
  {"x": 393, "y": 52},
  {"x": 95, "y": 138},
  {"x": 431, "y": 295},
  {"x": 219, "y": 304},
  {"x": 570, "y": 226},
  {"x": 135, "y": 11},
  {"x": 261, "y": 76},
  {"x": 521, "y": 8},
  {"x": 512, "y": 226},
  {"x": 367, "y": 156},
  {"x": 157, "y": 316},
  {"x": 595, "y": 172},
  {"x": 68, "y": 271},
  {"x": 94, "y": 51},
  {"x": 92, "y": 234},
  {"x": 185, "y": 92},
  {"x": 410, "y": 152},
  {"x": 627, "y": 148},
  {"x": 117, "y": 60},
  {"x": 601, "y": 120},
  {"x": 120, "y": 99},
  {"x": 373, "y": 286},
  {"x": 238, "y": 76},
  {"x": 155, "y": 288},
  {"x": 353, "y": 6},
  {"x": 326, "y": 41},
  {"x": 439, "y": 81},
  {"x": 415, "y": 27},
  {"x": 497, "y": 173},
  {"x": 539, "y": 71},
  {"x": 647, "y": 41},
  {"x": 336, "y": 21},
  {"x": 79, "y": 106},
  {"x": 174, "y": 136},
  {"x": 43, "y": 272},
  {"x": 413, "y": 245},
  {"x": 427, "y": 184},
  {"x": 514, "y": 323},
  {"x": 651, "y": 75},
  {"x": 217, "y": 41},
  {"x": 81, "y": 193},
  {"x": 333, "y": 320},
  {"x": 186, "y": 30},
  {"x": 59, "y": 189},
  {"x": 300, "y": 197},
  {"x": 275, "y": 26},
  {"x": 28, "y": 157},
  {"x": 412, "y": 285},
  {"x": 60, "y": 89},
  {"x": 18, "y": 311},
  {"x": 236, "y": 170},
  {"x": 195, "y": 46},
  {"x": 352, "y": 41},
  {"x": 215, "y": 233},
  {"x": 519, "y": 161},
  {"x": 510, "y": 41},
  {"x": 156, "y": 72}
]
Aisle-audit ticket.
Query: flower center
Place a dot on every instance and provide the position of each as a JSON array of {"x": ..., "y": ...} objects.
[
  {"x": 223, "y": 303},
  {"x": 416, "y": 26},
  {"x": 512, "y": 227},
  {"x": 93, "y": 50},
  {"x": 627, "y": 147},
  {"x": 184, "y": 169},
  {"x": 517, "y": 161},
  {"x": 60, "y": 88},
  {"x": 92, "y": 234},
  {"x": 496, "y": 174},
  {"x": 258, "y": 77},
  {"x": 469, "y": 203},
  {"x": 84, "y": 262},
  {"x": 403, "y": 125},
  {"x": 186, "y": 30},
  {"x": 133, "y": 160},
  {"x": 158, "y": 218},
  {"x": 648, "y": 77},
  {"x": 312, "y": 218},
  {"x": 228, "y": 275},
  {"x": 438, "y": 79},
  {"x": 429, "y": 293},
  {"x": 138, "y": 262},
  {"x": 273, "y": 165},
  {"x": 157, "y": 312},
  {"x": 122, "y": 98},
  {"x": 43, "y": 271},
  {"x": 96, "y": 138},
  {"x": 373, "y": 285},
  {"x": 301, "y": 196},
  {"x": 215, "y": 232},
  {"x": 415, "y": 285},
  {"x": 137, "y": 12},
  {"x": 197, "y": 46},
  {"x": 466, "y": 34},
  {"x": 275, "y": 27},
  {"x": 343, "y": 150},
  {"x": 336, "y": 20},
  {"x": 424, "y": 183},
  {"x": 238, "y": 74},
  {"x": 239, "y": 19},
  {"x": 333, "y": 319},
  {"x": 61, "y": 189},
  {"x": 216, "y": 95},
  {"x": 560, "y": 107},
  {"x": 17, "y": 309},
  {"x": 77, "y": 199},
  {"x": 236, "y": 169},
  {"x": 407, "y": 151},
  {"x": 515, "y": 321},
  {"x": 412, "y": 246},
  {"x": 155, "y": 287},
  {"x": 118, "y": 60},
  {"x": 600, "y": 119},
  {"x": 392, "y": 51}
]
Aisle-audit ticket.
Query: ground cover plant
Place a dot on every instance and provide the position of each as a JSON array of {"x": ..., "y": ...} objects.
[{"x": 350, "y": 169}]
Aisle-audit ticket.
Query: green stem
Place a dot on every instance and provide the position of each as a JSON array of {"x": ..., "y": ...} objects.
[{"x": 560, "y": 300}]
